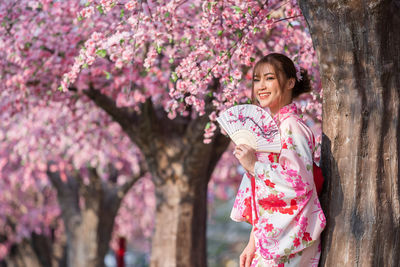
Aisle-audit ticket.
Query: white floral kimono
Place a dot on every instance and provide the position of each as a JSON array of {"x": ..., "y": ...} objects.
[{"x": 281, "y": 200}]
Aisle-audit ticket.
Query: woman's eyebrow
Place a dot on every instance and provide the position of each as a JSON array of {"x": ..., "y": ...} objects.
[{"x": 265, "y": 74}]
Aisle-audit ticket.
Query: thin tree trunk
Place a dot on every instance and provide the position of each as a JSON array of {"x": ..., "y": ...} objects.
[
  {"x": 22, "y": 255},
  {"x": 37, "y": 251},
  {"x": 180, "y": 232},
  {"x": 89, "y": 227},
  {"x": 358, "y": 47},
  {"x": 83, "y": 245},
  {"x": 50, "y": 251}
]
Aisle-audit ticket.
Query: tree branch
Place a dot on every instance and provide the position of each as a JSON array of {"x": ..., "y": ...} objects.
[
  {"x": 142, "y": 128},
  {"x": 113, "y": 173},
  {"x": 128, "y": 185},
  {"x": 124, "y": 116},
  {"x": 55, "y": 179},
  {"x": 68, "y": 197}
]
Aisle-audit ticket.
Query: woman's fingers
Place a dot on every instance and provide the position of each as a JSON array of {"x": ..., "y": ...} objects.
[
  {"x": 239, "y": 151},
  {"x": 247, "y": 147},
  {"x": 248, "y": 261},
  {"x": 242, "y": 260},
  {"x": 245, "y": 260},
  {"x": 241, "y": 148}
]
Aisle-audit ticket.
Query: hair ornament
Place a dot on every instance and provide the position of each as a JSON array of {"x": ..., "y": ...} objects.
[{"x": 298, "y": 73}]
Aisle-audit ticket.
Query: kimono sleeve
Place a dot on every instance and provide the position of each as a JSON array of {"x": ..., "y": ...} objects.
[
  {"x": 288, "y": 188},
  {"x": 242, "y": 210}
]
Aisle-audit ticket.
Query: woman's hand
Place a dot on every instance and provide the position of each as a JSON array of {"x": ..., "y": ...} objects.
[
  {"x": 246, "y": 156},
  {"x": 248, "y": 253}
]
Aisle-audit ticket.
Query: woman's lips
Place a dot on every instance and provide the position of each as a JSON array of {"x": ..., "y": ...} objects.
[{"x": 264, "y": 95}]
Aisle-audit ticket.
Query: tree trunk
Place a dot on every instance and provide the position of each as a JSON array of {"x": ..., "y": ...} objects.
[
  {"x": 50, "y": 251},
  {"x": 88, "y": 227},
  {"x": 22, "y": 255},
  {"x": 37, "y": 251},
  {"x": 89, "y": 238},
  {"x": 358, "y": 48},
  {"x": 180, "y": 232},
  {"x": 84, "y": 248},
  {"x": 181, "y": 172}
]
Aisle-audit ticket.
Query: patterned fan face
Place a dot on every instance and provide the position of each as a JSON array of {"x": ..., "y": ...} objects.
[{"x": 251, "y": 125}]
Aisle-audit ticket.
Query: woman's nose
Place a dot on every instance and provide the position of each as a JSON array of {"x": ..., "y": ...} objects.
[{"x": 263, "y": 84}]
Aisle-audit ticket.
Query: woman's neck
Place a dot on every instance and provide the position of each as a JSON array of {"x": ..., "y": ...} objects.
[{"x": 276, "y": 110}]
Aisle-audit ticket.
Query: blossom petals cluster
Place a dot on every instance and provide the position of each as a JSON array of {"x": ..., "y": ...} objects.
[{"x": 193, "y": 43}]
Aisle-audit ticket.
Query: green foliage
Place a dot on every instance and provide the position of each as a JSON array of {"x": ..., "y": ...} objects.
[
  {"x": 237, "y": 9},
  {"x": 174, "y": 77},
  {"x": 100, "y": 9},
  {"x": 101, "y": 52},
  {"x": 108, "y": 75}
]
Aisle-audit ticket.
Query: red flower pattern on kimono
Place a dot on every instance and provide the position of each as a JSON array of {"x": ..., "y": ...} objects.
[
  {"x": 272, "y": 202},
  {"x": 307, "y": 237},
  {"x": 269, "y": 183},
  {"x": 284, "y": 146},
  {"x": 296, "y": 242},
  {"x": 247, "y": 213}
]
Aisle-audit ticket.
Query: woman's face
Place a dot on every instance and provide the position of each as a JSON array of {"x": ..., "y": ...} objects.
[{"x": 268, "y": 91}]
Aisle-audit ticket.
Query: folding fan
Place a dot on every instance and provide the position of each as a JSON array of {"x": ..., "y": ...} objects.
[{"x": 251, "y": 125}]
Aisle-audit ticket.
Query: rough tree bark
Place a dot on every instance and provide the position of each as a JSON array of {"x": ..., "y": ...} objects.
[
  {"x": 21, "y": 255},
  {"x": 181, "y": 166},
  {"x": 358, "y": 48},
  {"x": 89, "y": 227},
  {"x": 37, "y": 251}
]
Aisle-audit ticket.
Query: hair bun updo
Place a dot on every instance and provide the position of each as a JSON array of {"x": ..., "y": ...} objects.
[{"x": 302, "y": 86}]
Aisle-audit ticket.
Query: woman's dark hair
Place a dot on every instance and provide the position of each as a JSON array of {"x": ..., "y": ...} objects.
[{"x": 284, "y": 69}]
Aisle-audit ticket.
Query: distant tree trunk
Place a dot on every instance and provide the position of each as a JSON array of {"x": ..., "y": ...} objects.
[
  {"x": 38, "y": 251},
  {"x": 21, "y": 255},
  {"x": 358, "y": 48},
  {"x": 179, "y": 238},
  {"x": 181, "y": 166},
  {"x": 50, "y": 251},
  {"x": 88, "y": 227},
  {"x": 180, "y": 231}
]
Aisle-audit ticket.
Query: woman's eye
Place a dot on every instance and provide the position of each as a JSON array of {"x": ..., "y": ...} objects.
[
  {"x": 270, "y": 78},
  {"x": 256, "y": 80}
]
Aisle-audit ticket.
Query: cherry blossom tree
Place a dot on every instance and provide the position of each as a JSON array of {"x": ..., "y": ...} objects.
[
  {"x": 91, "y": 171},
  {"x": 162, "y": 71}
]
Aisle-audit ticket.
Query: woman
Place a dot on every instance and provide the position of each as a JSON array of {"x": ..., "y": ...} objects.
[{"x": 278, "y": 195}]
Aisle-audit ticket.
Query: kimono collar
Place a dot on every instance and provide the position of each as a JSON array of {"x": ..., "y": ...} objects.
[{"x": 285, "y": 111}]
